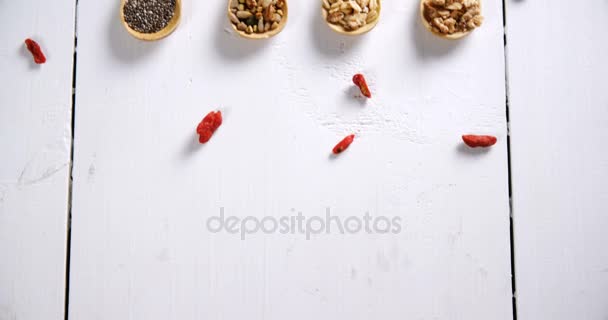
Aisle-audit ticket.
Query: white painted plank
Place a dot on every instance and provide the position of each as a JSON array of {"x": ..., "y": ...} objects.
[
  {"x": 35, "y": 137},
  {"x": 144, "y": 188},
  {"x": 559, "y": 111}
]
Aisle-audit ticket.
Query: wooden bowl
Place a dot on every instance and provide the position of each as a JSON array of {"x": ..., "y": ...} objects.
[
  {"x": 339, "y": 29},
  {"x": 427, "y": 25},
  {"x": 157, "y": 35},
  {"x": 265, "y": 35}
]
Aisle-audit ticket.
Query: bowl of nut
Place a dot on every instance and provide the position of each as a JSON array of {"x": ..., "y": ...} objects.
[
  {"x": 257, "y": 19},
  {"x": 351, "y": 17},
  {"x": 150, "y": 20},
  {"x": 451, "y": 19}
]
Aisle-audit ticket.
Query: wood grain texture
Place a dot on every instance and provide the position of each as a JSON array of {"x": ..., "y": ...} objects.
[
  {"x": 144, "y": 187},
  {"x": 35, "y": 137},
  {"x": 559, "y": 111}
]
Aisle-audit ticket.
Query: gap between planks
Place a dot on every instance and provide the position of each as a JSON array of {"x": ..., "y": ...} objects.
[
  {"x": 511, "y": 234},
  {"x": 71, "y": 168}
]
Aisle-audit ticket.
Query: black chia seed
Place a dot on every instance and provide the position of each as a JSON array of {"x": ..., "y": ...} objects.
[{"x": 148, "y": 16}]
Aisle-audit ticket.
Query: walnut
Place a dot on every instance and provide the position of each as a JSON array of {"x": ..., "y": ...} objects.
[
  {"x": 451, "y": 24},
  {"x": 477, "y": 20},
  {"x": 429, "y": 12},
  {"x": 456, "y": 15},
  {"x": 335, "y": 17},
  {"x": 444, "y": 13},
  {"x": 470, "y": 3},
  {"x": 363, "y": 3},
  {"x": 438, "y": 22},
  {"x": 454, "y": 6}
]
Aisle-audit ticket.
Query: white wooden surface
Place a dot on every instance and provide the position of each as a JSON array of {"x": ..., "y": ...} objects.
[
  {"x": 143, "y": 187},
  {"x": 559, "y": 111},
  {"x": 35, "y": 138}
]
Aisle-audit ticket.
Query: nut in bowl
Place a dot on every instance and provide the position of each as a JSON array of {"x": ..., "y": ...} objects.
[
  {"x": 150, "y": 19},
  {"x": 351, "y": 17},
  {"x": 451, "y": 19},
  {"x": 257, "y": 19}
]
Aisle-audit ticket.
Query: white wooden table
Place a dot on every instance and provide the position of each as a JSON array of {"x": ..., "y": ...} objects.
[{"x": 105, "y": 195}]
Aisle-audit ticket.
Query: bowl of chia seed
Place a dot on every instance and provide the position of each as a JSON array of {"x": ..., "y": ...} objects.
[{"x": 150, "y": 19}]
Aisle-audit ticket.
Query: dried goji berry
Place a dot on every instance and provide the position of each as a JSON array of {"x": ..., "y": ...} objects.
[
  {"x": 343, "y": 145},
  {"x": 208, "y": 125},
  {"x": 34, "y": 48},
  {"x": 475, "y": 141},
  {"x": 359, "y": 80}
]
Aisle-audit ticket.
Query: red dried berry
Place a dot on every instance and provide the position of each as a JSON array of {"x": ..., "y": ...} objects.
[
  {"x": 475, "y": 141},
  {"x": 34, "y": 48},
  {"x": 343, "y": 145},
  {"x": 360, "y": 82},
  {"x": 205, "y": 136},
  {"x": 208, "y": 125}
]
